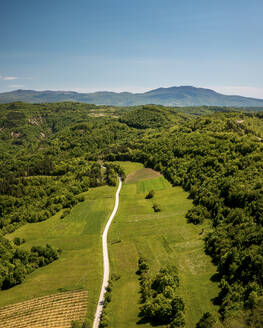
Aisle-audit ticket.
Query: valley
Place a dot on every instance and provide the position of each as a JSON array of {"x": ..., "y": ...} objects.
[
  {"x": 131, "y": 164},
  {"x": 161, "y": 238},
  {"x": 190, "y": 212}
]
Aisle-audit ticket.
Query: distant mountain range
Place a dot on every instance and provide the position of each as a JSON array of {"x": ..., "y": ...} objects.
[{"x": 173, "y": 96}]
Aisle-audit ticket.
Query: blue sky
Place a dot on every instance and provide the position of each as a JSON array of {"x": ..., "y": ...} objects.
[{"x": 134, "y": 45}]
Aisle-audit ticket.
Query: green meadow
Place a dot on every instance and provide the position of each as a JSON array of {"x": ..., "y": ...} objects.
[
  {"x": 163, "y": 237},
  {"x": 130, "y": 167},
  {"x": 79, "y": 237}
]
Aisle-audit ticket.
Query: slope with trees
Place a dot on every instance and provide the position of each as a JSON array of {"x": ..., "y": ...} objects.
[{"x": 49, "y": 154}]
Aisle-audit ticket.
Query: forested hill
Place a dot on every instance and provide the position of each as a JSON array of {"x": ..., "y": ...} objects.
[
  {"x": 173, "y": 96},
  {"x": 51, "y": 153}
]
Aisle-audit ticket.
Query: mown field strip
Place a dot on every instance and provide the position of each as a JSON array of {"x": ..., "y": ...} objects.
[{"x": 57, "y": 310}]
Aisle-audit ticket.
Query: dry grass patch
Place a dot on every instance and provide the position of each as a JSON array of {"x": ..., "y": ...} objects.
[
  {"x": 97, "y": 114},
  {"x": 142, "y": 174},
  {"x": 57, "y": 310}
]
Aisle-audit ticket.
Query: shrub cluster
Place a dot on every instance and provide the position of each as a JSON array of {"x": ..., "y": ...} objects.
[
  {"x": 150, "y": 194},
  {"x": 207, "y": 321},
  {"x": 104, "y": 319},
  {"x": 156, "y": 207},
  {"x": 17, "y": 263},
  {"x": 160, "y": 303}
]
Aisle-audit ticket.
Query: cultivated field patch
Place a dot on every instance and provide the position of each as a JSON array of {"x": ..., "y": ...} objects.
[
  {"x": 142, "y": 174},
  {"x": 57, "y": 310},
  {"x": 157, "y": 183}
]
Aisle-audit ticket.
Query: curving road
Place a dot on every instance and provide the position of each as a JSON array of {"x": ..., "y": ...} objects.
[{"x": 106, "y": 265}]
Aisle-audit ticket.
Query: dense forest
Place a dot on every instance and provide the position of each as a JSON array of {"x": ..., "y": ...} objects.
[{"x": 51, "y": 154}]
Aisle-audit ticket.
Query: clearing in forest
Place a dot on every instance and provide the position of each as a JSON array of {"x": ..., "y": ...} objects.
[
  {"x": 162, "y": 238},
  {"x": 57, "y": 310}
]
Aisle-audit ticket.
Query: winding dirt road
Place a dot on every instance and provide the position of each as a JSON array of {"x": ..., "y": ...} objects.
[{"x": 106, "y": 265}]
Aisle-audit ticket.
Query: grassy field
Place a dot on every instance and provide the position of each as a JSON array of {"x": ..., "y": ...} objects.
[
  {"x": 80, "y": 264},
  {"x": 163, "y": 237},
  {"x": 130, "y": 167},
  {"x": 142, "y": 174}
]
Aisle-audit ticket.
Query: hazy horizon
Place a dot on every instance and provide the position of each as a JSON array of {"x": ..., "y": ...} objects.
[
  {"x": 231, "y": 91},
  {"x": 119, "y": 46}
]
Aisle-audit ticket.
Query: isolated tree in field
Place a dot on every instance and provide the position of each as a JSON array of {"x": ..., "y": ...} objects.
[
  {"x": 156, "y": 207},
  {"x": 150, "y": 194}
]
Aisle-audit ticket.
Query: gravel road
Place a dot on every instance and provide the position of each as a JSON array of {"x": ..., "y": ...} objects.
[{"x": 106, "y": 265}]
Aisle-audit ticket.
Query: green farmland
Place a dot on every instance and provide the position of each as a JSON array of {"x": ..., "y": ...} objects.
[
  {"x": 80, "y": 264},
  {"x": 162, "y": 238}
]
